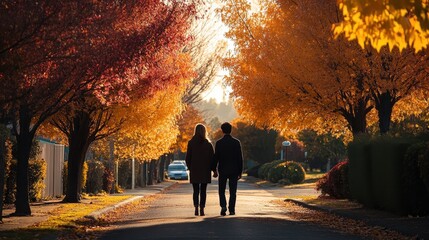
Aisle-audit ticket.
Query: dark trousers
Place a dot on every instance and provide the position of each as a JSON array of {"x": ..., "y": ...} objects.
[
  {"x": 232, "y": 182},
  {"x": 200, "y": 191}
]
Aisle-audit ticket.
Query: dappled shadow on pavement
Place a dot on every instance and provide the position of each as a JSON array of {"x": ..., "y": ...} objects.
[{"x": 228, "y": 227}]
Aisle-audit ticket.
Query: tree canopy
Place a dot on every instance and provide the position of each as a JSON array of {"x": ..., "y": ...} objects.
[{"x": 390, "y": 23}]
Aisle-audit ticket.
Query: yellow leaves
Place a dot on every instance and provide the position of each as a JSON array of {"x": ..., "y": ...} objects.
[
  {"x": 151, "y": 126},
  {"x": 384, "y": 23},
  {"x": 187, "y": 121}
]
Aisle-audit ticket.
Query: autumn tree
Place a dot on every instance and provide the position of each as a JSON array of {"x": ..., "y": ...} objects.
[
  {"x": 186, "y": 123},
  {"x": 55, "y": 52},
  {"x": 286, "y": 74},
  {"x": 393, "y": 76},
  {"x": 289, "y": 75},
  {"x": 321, "y": 147},
  {"x": 390, "y": 23},
  {"x": 258, "y": 144},
  {"x": 83, "y": 122},
  {"x": 151, "y": 126},
  {"x": 91, "y": 120}
]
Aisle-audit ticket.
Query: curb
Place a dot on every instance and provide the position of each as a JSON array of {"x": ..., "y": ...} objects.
[{"x": 98, "y": 213}]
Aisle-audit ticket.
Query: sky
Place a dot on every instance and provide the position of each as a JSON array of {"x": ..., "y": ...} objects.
[{"x": 219, "y": 91}]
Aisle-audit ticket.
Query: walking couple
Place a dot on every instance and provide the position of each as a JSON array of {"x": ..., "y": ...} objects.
[{"x": 226, "y": 162}]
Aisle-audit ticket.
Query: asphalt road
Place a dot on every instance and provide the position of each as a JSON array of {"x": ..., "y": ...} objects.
[{"x": 257, "y": 217}]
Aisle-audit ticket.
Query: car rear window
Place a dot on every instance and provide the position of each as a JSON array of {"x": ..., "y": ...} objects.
[{"x": 177, "y": 167}]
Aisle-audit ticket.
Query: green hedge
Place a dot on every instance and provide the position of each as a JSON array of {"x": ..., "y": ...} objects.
[
  {"x": 289, "y": 172},
  {"x": 254, "y": 171},
  {"x": 94, "y": 182},
  {"x": 295, "y": 172},
  {"x": 36, "y": 176},
  {"x": 387, "y": 156},
  {"x": 124, "y": 174},
  {"x": 423, "y": 163},
  {"x": 388, "y": 172},
  {"x": 265, "y": 168},
  {"x": 83, "y": 176},
  {"x": 415, "y": 193},
  {"x": 360, "y": 176}
]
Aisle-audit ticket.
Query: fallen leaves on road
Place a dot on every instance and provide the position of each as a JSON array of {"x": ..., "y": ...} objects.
[{"x": 341, "y": 224}]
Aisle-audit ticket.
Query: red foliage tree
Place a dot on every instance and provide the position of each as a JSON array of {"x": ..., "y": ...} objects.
[{"x": 54, "y": 52}]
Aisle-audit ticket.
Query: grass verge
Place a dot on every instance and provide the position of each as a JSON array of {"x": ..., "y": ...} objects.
[{"x": 64, "y": 219}]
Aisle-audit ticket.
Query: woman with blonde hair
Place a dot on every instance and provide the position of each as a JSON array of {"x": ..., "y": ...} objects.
[{"x": 199, "y": 157}]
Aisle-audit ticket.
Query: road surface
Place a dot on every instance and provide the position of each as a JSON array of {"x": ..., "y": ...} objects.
[{"x": 257, "y": 217}]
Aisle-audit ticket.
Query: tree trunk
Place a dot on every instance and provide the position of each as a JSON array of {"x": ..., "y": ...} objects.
[
  {"x": 151, "y": 173},
  {"x": 24, "y": 142},
  {"x": 356, "y": 118},
  {"x": 144, "y": 174},
  {"x": 157, "y": 171},
  {"x": 162, "y": 168},
  {"x": 384, "y": 104},
  {"x": 3, "y": 133},
  {"x": 111, "y": 164},
  {"x": 79, "y": 142}
]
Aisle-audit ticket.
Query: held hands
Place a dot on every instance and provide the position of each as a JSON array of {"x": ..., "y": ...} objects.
[{"x": 215, "y": 174}]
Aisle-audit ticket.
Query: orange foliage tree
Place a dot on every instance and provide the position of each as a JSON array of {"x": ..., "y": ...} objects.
[
  {"x": 186, "y": 122},
  {"x": 289, "y": 72}
]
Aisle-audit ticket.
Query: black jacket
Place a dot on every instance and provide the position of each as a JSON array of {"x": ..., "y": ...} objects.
[
  {"x": 198, "y": 159},
  {"x": 228, "y": 157}
]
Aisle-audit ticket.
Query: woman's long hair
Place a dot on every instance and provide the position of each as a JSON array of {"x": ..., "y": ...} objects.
[{"x": 200, "y": 132}]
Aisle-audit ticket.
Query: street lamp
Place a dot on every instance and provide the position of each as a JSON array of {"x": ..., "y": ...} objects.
[{"x": 285, "y": 144}]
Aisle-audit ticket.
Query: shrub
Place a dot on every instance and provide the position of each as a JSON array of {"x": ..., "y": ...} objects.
[
  {"x": 292, "y": 171},
  {"x": 262, "y": 169},
  {"x": 387, "y": 169},
  {"x": 124, "y": 174},
  {"x": 94, "y": 182},
  {"x": 108, "y": 179},
  {"x": 360, "y": 172},
  {"x": 284, "y": 181},
  {"x": 266, "y": 167},
  {"x": 36, "y": 176},
  {"x": 414, "y": 193},
  {"x": 10, "y": 187},
  {"x": 83, "y": 176},
  {"x": 305, "y": 165},
  {"x": 423, "y": 164},
  {"x": 335, "y": 182},
  {"x": 295, "y": 172},
  {"x": 277, "y": 172},
  {"x": 253, "y": 171}
]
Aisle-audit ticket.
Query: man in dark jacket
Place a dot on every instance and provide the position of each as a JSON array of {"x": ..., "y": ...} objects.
[{"x": 228, "y": 161}]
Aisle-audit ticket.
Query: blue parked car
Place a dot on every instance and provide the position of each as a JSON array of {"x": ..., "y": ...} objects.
[{"x": 177, "y": 171}]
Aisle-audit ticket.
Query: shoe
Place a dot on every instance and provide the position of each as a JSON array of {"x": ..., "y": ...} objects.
[
  {"x": 196, "y": 211},
  {"x": 231, "y": 213},
  {"x": 202, "y": 212},
  {"x": 223, "y": 212}
]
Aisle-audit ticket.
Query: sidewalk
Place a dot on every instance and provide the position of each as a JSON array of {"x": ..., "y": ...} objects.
[
  {"x": 417, "y": 227},
  {"x": 41, "y": 211}
]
